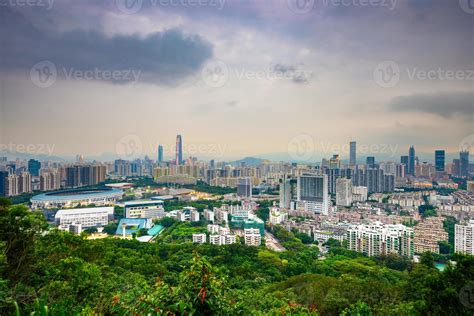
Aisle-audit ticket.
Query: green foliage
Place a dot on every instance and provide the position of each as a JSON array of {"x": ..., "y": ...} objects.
[
  {"x": 426, "y": 210},
  {"x": 332, "y": 243},
  {"x": 448, "y": 225},
  {"x": 166, "y": 221},
  {"x": 445, "y": 248},
  {"x": 110, "y": 228}
]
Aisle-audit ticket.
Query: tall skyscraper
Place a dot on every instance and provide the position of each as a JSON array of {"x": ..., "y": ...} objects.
[
  {"x": 404, "y": 162},
  {"x": 160, "y": 153},
  {"x": 439, "y": 160},
  {"x": 313, "y": 193},
  {"x": 411, "y": 161},
  {"x": 464, "y": 163},
  {"x": 179, "y": 150},
  {"x": 352, "y": 153},
  {"x": 34, "y": 167}
]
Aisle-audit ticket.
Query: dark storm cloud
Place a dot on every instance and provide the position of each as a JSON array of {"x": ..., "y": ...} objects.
[
  {"x": 442, "y": 104},
  {"x": 161, "y": 57}
]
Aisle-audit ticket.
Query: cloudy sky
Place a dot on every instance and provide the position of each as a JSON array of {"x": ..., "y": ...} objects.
[{"x": 236, "y": 78}]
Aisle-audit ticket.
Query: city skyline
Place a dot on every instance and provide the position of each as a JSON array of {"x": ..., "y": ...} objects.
[{"x": 304, "y": 67}]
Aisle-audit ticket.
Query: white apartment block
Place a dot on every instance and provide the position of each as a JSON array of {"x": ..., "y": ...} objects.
[
  {"x": 222, "y": 239},
  {"x": 378, "y": 239},
  {"x": 199, "y": 238},
  {"x": 194, "y": 216},
  {"x": 209, "y": 215},
  {"x": 464, "y": 238},
  {"x": 87, "y": 217},
  {"x": 213, "y": 229},
  {"x": 221, "y": 216},
  {"x": 224, "y": 230},
  {"x": 252, "y": 237}
]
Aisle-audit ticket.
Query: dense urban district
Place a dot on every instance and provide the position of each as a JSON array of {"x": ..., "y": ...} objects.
[{"x": 249, "y": 237}]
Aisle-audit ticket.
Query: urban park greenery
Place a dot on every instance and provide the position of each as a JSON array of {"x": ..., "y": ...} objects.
[{"x": 49, "y": 272}]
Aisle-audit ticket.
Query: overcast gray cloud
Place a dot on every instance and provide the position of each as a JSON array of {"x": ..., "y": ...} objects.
[
  {"x": 443, "y": 104},
  {"x": 160, "y": 57}
]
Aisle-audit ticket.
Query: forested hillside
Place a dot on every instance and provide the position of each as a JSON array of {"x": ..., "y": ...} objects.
[{"x": 53, "y": 272}]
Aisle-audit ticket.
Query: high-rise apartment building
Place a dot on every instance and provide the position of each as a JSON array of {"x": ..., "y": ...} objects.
[
  {"x": 343, "y": 192},
  {"x": 244, "y": 187},
  {"x": 286, "y": 193},
  {"x": 50, "y": 180},
  {"x": 377, "y": 239},
  {"x": 84, "y": 175},
  {"x": 464, "y": 238},
  {"x": 313, "y": 192}
]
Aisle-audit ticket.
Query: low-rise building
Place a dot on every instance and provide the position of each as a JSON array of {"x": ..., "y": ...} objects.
[
  {"x": 277, "y": 216},
  {"x": 427, "y": 235},
  {"x": 144, "y": 209},
  {"x": 222, "y": 239},
  {"x": 87, "y": 217},
  {"x": 252, "y": 237}
]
